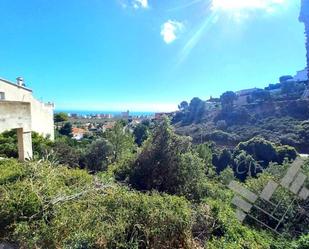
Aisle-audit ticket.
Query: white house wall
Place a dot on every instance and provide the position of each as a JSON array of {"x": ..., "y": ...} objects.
[
  {"x": 42, "y": 119},
  {"x": 14, "y": 115}
]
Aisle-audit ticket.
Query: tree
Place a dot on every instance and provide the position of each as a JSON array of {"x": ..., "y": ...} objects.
[
  {"x": 66, "y": 129},
  {"x": 204, "y": 151},
  {"x": 65, "y": 154},
  {"x": 8, "y": 144},
  {"x": 262, "y": 152},
  {"x": 61, "y": 117},
  {"x": 41, "y": 145},
  {"x": 288, "y": 88},
  {"x": 285, "y": 78},
  {"x": 260, "y": 149},
  {"x": 98, "y": 155},
  {"x": 227, "y": 100},
  {"x": 122, "y": 142},
  {"x": 245, "y": 165},
  {"x": 183, "y": 106},
  {"x": 222, "y": 161},
  {"x": 195, "y": 110},
  {"x": 285, "y": 152},
  {"x": 167, "y": 164},
  {"x": 141, "y": 133},
  {"x": 261, "y": 95}
]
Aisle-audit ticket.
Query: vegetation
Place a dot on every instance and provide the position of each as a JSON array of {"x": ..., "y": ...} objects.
[
  {"x": 8, "y": 144},
  {"x": 61, "y": 117},
  {"x": 141, "y": 133},
  {"x": 227, "y": 100},
  {"x": 43, "y": 206},
  {"x": 280, "y": 117},
  {"x": 168, "y": 164},
  {"x": 145, "y": 188},
  {"x": 48, "y": 206},
  {"x": 66, "y": 129}
]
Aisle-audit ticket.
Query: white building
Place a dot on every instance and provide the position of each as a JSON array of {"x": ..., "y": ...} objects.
[
  {"x": 301, "y": 75},
  {"x": 242, "y": 96},
  {"x": 20, "y": 110}
]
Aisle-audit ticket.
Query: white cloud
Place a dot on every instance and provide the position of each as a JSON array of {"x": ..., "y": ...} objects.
[
  {"x": 246, "y": 4},
  {"x": 170, "y": 31},
  {"x": 136, "y": 4},
  {"x": 140, "y": 4},
  {"x": 241, "y": 9}
]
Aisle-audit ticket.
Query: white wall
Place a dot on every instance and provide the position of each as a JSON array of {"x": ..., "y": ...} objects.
[
  {"x": 14, "y": 92},
  {"x": 301, "y": 75},
  {"x": 15, "y": 115},
  {"x": 42, "y": 118},
  {"x": 42, "y": 115}
]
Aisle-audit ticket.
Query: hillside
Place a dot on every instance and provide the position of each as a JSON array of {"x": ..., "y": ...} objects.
[{"x": 279, "y": 113}]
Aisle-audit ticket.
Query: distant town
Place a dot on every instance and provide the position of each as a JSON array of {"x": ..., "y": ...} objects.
[
  {"x": 85, "y": 125},
  {"x": 108, "y": 115}
]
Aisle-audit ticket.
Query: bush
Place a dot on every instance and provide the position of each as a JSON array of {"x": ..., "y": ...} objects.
[
  {"x": 260, "y": 149},
  {"x": 66, "y": 129},
  {"x": 56, "y": 207},
  {"x": 222, "y": 137},
  {"x": 302, "y": 243},
  {"x": 65, "y": 154},
  {"x": 8, "y": 145},
  {"x": 228, "y": 233},
  {"x": 222, "y": 161},
  {"x": 10, "y": 170},
  {"x": 236, "y": 116},
  {"x": 253, "y": 156},
  {"x": 141, "y": 133},
  {"x": 285, "y": 152},
  {"x": 245, "y": 165},
  {"x": 97, "y": 155},
  {"x": 168, "y": 164}
]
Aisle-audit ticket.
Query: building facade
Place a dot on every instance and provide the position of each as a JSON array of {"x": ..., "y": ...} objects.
[
  {"x": 301, "y": 75},
  {"x": 20, "y": 110}
]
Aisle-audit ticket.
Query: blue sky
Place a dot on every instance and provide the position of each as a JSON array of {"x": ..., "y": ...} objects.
[{"x": 147, "y": 55}]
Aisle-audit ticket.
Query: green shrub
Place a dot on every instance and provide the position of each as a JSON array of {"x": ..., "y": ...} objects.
[
  {"x": 228, "y": 233},
  {"x": 168, "y": 164},
  {"x": 50, "y": 206},
  {"x": 302, "y": 242},
  {"x": 10, "y": 170}
]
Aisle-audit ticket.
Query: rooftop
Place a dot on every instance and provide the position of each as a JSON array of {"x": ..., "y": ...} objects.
[{"x": 14, "y": 84}]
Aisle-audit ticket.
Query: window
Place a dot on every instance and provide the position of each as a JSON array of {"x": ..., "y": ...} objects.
[{"x": 2, "y": 96}]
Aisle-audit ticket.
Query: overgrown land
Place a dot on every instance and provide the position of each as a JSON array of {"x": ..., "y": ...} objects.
[{"x": 160, "y": 183}]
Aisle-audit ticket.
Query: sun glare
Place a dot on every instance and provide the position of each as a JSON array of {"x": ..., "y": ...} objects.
[{"x": 239, "y": 5}]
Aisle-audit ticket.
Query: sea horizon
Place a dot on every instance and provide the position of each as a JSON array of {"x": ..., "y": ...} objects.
[{"x": 115, "y": 113}]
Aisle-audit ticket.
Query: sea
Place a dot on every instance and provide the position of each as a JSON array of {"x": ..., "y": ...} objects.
[{"x": 114, "y": 113}]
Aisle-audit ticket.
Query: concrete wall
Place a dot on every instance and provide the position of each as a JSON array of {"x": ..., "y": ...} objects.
[
  {"x": 17, "y": 115},
  {"x": 42, "y": 116},
  {"x": 14, "y": 92},
  {"x": 14, "y": 115}
]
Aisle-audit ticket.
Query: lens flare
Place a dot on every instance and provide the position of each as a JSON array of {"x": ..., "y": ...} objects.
[{"x": 239, "y": 5}]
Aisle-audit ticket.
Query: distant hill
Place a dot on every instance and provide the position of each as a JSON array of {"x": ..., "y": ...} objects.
[{"x": 279, "y": 113}]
